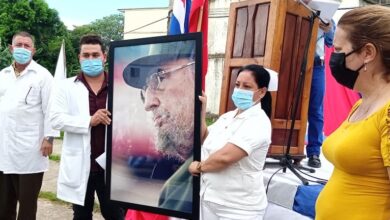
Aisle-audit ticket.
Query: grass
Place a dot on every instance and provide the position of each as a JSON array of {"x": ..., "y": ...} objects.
[
  {"x": 52, "y": 197},
  {"x": 61, "y": 137},
  {"x": 211, "y": 118},
  {"x": 55, "y": 157}
]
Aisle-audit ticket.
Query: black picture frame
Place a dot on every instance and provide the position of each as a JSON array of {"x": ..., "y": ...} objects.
[{"x": 135, "y": 170}]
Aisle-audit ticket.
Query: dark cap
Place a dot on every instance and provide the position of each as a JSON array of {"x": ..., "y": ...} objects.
[{"x": 138, "y": 71}]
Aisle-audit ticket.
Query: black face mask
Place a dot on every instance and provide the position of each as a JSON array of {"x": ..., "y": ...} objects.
[{"x": 340, "y": 72}]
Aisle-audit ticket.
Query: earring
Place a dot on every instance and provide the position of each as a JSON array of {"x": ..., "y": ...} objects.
[{"x": 365, "y": 66}]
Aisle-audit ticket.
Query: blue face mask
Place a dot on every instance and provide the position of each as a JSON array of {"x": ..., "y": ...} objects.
[
  {"x": 242, "y": 99},
  {"x": 93, "y": 67},
  {"x": 21, "y": 55}
]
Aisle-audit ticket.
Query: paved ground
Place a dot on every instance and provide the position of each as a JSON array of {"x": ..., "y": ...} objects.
[{"x": 49, "y": 210}]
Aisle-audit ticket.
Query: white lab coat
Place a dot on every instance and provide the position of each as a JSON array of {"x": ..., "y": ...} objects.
[
  {"x": 24, "y": 120},
  {"x": 69, "y": 112}
]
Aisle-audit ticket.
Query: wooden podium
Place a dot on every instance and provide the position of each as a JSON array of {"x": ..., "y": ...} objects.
[{"x": 273, "y": 33}]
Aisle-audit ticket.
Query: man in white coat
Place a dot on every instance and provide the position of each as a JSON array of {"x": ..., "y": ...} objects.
[
  {"x": 79, "y": 109},
  {"x": 26, "y": 137}
]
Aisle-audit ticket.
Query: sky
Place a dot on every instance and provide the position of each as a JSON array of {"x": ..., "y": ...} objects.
[{"x": 79, "y": 12}]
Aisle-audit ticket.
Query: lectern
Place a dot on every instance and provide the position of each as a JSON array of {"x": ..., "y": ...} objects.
[{"x": 273, "y": 33}]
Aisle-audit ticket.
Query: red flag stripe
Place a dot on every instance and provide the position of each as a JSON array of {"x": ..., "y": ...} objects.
[{"x": 201, "y": 8}]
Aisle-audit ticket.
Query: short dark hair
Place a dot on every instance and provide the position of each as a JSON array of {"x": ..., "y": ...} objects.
[
  {"x": 92, "y": 39},
  {"x": 23, "y": 34},
  {"x": 260, "y": 74}
]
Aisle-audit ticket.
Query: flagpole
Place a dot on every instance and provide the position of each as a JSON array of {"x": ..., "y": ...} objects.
[{"x": 199, "y": 27}]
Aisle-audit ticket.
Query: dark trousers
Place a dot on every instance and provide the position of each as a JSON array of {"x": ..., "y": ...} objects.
[
  {"x": 96, "y": 184},
  {"x": 22, "y": 188}
]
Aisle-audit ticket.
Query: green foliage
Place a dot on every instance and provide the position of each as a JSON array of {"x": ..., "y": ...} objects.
[
  {"x": 61, "y": 137},
  {"x": 55, "y": 157},
  {"x": 53, "y": 198},
  {"x": 211, "y": 118},
  {"x": 5, "y": 55},
  {"x": 109, "y": 28},
  {"x": 35, "y": 17}
]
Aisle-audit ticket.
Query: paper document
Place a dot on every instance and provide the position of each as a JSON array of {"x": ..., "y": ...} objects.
[{"x": 327, "y": 8}]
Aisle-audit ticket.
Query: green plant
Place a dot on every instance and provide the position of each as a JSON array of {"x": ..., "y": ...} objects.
[
  {"x": 55, "y": 157},
  {"x": 53, "y": 198},
  {"x": 5, "y": 55},
  {"x": 211, "y": 118}
]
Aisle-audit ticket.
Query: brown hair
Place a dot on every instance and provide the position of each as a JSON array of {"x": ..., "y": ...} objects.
[
  {"x": 92, "y": 39},
  {"x": 369, "y": 24},
  {"x": 23, "y": 34}
]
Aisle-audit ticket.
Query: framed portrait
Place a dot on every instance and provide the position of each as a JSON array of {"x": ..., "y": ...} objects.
[{"x": 155, "y": 130}]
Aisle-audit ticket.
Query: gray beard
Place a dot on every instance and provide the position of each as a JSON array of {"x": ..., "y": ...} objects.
[{"x": 176, "y": 142}]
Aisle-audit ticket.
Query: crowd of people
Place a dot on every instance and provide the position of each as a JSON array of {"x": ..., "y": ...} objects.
[{"x": 233, "y": 150}]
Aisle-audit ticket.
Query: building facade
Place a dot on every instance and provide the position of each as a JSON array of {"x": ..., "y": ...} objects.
[{"x": 217, "y": 35}]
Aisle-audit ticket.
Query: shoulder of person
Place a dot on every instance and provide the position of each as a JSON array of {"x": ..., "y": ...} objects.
[
  {"x": 6, "y": 69},
  {"x": 386, "y": 112},
  {"x": 65, "y": 86},
  {"x": 70, "y": 83},
  {"x": 38, "y": 68},
  {"x": 258, "y": 120}
]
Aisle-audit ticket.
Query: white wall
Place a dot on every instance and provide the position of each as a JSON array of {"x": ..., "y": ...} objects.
[
  {"x": 138, "y": 17},
  {"x": 218, "y": 25}
]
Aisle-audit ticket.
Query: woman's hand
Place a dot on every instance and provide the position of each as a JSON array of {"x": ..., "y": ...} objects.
[
  {"x": 194, "y": 168},
  {"x": 203, "y": 100},
  {"x": 326, "y": 28}
]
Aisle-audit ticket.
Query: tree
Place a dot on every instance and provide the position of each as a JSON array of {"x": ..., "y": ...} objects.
[
  {"x": 35, "y": 17},
  {"x": 110, "y": 28},
  {"x": 5, "y": 55}
]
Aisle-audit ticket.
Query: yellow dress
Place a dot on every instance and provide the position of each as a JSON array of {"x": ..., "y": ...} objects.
[{"x": 359, "y": 188}]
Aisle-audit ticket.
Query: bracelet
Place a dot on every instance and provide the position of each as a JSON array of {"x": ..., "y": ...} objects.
[{"x": 199, "y": 167}]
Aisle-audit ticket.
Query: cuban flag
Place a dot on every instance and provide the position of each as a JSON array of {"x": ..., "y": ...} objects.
[
  {"x": 180, "y": 17},
  {"x": 191, "y": 16}
]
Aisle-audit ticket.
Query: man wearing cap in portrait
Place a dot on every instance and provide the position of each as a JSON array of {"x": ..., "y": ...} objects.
[{"x": 166, "y": 78}]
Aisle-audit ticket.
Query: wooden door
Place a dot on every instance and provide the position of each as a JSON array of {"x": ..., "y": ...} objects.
[{"x": 273, "y": 33}]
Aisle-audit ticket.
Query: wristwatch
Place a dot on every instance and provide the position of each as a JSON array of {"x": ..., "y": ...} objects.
[{"x": 49, "y": 139}]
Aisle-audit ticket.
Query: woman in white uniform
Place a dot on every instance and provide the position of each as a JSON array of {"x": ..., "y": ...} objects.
[{"x": 234, "y": 150}]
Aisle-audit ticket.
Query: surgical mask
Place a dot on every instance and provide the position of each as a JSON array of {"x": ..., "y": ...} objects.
[
  {"x": 340, "y": 72},
  {"x": 92, "y": 67},
  {"x": 21, "y": 55},
  {"x": 242, "y": 99}
]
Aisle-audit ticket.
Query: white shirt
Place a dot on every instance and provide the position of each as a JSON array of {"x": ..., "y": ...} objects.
[
  {"x": 24, "y": 119},
  {"x": 69, "y": 112},
  {"x": 320, "y": 45},
  {"x": 241, "y": 184}
]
